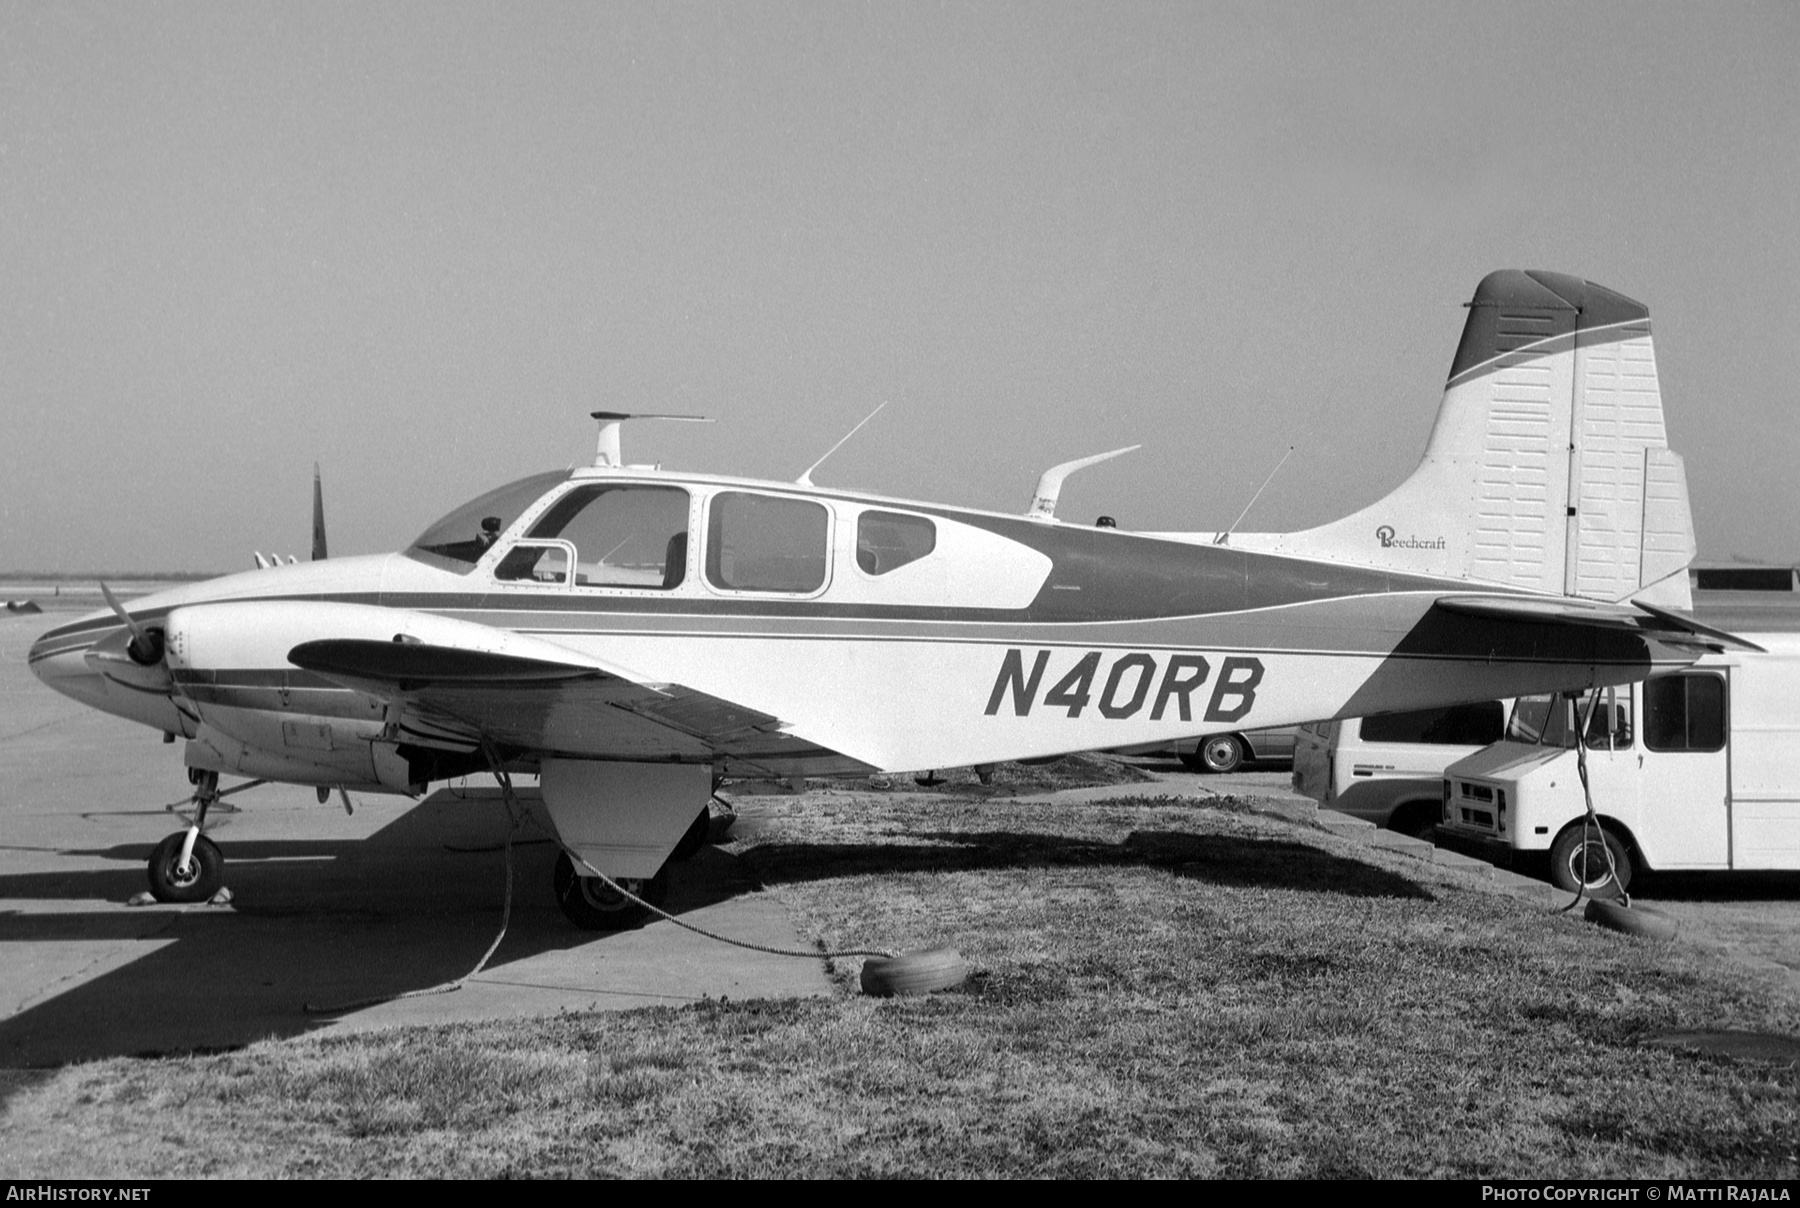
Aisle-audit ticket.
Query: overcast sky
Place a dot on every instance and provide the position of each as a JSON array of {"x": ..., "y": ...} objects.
[{"x": 418, "y": 243}]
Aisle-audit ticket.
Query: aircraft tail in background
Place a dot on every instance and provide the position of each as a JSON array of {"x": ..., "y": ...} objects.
[{"x": 1548, "y": 467}]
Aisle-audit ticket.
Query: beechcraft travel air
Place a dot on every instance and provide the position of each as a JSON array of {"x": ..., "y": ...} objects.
[{"x": 628, "y": 633}]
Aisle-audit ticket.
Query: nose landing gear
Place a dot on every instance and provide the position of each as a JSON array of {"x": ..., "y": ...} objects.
[{"x": 187, "y": 866}]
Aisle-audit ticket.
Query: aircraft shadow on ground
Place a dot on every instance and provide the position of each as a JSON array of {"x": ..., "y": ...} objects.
[
  {"x": 310, "y": 923},
  {"x": 324, "y": 922},
  {"x": 1217, "y": 859},
  {"x": 1757, "y": 885}
]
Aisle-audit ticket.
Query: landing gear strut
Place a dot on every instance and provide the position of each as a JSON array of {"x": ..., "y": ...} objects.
[{"x": 187, "y": 866}]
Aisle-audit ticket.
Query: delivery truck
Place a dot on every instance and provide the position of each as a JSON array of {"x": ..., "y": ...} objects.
[{"x": 1693, "y": 769}]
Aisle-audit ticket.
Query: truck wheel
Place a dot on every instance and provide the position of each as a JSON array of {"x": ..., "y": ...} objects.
[{"x": 1578, "y": 861}]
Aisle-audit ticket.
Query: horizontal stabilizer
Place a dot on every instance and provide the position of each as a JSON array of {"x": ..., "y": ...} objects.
[
  {"x": 1643, "y": 618},
  {"x": 1694, "y": 627},
  {"x": 1559, "y": 612}
]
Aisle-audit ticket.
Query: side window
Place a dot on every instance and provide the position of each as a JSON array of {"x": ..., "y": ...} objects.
[
  {"x": 889, "y": 540},
  {"x": 766, "y": 543},
  {"x": 624, "y": 536},
  {"x": 1463, "y": 725},
  {"x": 1684, "y": 712},
  {"x": 535, "y": 562}
]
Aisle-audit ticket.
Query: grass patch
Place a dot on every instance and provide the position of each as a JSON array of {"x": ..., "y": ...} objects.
[
  {"x": 1162, "y": 989},
  {"x": 1090, "y": 770}
]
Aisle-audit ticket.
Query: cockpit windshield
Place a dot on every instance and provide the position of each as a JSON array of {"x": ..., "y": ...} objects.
[{"x": 462, "y": 537}]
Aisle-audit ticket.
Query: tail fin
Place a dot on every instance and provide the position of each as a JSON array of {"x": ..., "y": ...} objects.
[{"x": 1548, "y": 467}]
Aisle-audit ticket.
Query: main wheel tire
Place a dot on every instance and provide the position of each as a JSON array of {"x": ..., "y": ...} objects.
[
  {"x": 1221, "y": 753},
  {"x": 694, "y": 839},
  {"x": 1582, "y": 843},
  {"x": 591, "y": 904},
  {"x": 198, "y": 882}
]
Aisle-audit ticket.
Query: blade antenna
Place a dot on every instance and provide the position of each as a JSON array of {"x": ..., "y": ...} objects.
[
  {"x": 1224, "y": 538},
  {"x": 318, "y": 550},
  {"x": 805, "y": 480}
]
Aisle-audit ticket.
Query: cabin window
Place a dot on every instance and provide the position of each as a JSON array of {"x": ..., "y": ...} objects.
[
  {"x": 462, "y": 537},
  {"x": 624, "y": 535},
  {"x": 1684, "y": 713},
  {"x": 766, "y": 543},
  {"x": 1462, "y": 725},
  {"x": 889, "y": 540}
]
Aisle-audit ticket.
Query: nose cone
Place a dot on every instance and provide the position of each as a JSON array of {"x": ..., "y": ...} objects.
[{"x": 59, "y": 658}]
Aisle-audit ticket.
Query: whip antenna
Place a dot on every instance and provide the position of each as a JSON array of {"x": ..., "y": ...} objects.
[
  {"x": 805, "y": 480},
  {"x": 1224, "y": 538}
]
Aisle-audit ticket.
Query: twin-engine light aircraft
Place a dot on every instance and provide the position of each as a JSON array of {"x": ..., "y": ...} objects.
[{"x": 629, "y": 633}]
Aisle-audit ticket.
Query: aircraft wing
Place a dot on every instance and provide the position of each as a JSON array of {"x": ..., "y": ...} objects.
[
  {"x": 1665, "y": 626},
  {"x": 456, "y": 696}
]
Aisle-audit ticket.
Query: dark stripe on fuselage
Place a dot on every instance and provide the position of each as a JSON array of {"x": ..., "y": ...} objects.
[{"x": 1097, "y": 576}]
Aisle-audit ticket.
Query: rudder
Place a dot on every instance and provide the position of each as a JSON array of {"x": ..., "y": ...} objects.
[{"x": 1548, "y": 467}]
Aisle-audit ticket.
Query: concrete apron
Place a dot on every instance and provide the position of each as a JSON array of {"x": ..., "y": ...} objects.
[{"x": 326, "y": 909}]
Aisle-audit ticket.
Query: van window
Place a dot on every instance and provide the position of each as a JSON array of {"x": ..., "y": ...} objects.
[
  {"x": 765, "y": 543},
  {"x": 1684, "y": 713},
  {"x": 1462, "y": 725},
  {"x": 1551, "y": 721}
]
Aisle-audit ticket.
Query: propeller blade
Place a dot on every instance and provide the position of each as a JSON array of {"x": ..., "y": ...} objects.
[{"x": 144, "y": 648}]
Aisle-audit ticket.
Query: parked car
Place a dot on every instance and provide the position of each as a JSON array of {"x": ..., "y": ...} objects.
[
  {"x": 1389, "y": 769},
  {"x": 1227, "y": 752}
]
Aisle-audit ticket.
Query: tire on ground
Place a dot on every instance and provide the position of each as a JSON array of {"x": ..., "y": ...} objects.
[
  {"x": 1629, "y": 920},
  {"x": 914, "y": 973}
]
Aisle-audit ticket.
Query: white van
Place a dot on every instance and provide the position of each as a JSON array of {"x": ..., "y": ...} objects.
[
  {"x": 1696, "y": 769},
  {"x": 1389, "y": 769}
]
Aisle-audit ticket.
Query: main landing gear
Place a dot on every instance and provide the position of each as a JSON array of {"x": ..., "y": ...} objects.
[
  {"x": 593, "y": 905},
  {"x": 187, "y": 866}
]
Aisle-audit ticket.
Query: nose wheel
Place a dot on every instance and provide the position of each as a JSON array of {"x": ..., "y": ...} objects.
[
  {"x": 187, "y": 866},
  {"x": 196, "y": 879}
]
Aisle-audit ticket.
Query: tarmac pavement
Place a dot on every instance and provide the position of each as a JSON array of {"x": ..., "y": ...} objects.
[{"x": 326, "y": 908}]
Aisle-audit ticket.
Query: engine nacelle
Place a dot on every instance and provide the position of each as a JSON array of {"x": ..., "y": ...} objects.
[
  {"x": 265, "y": 718},
  {"x": 368, "y": 766}
]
